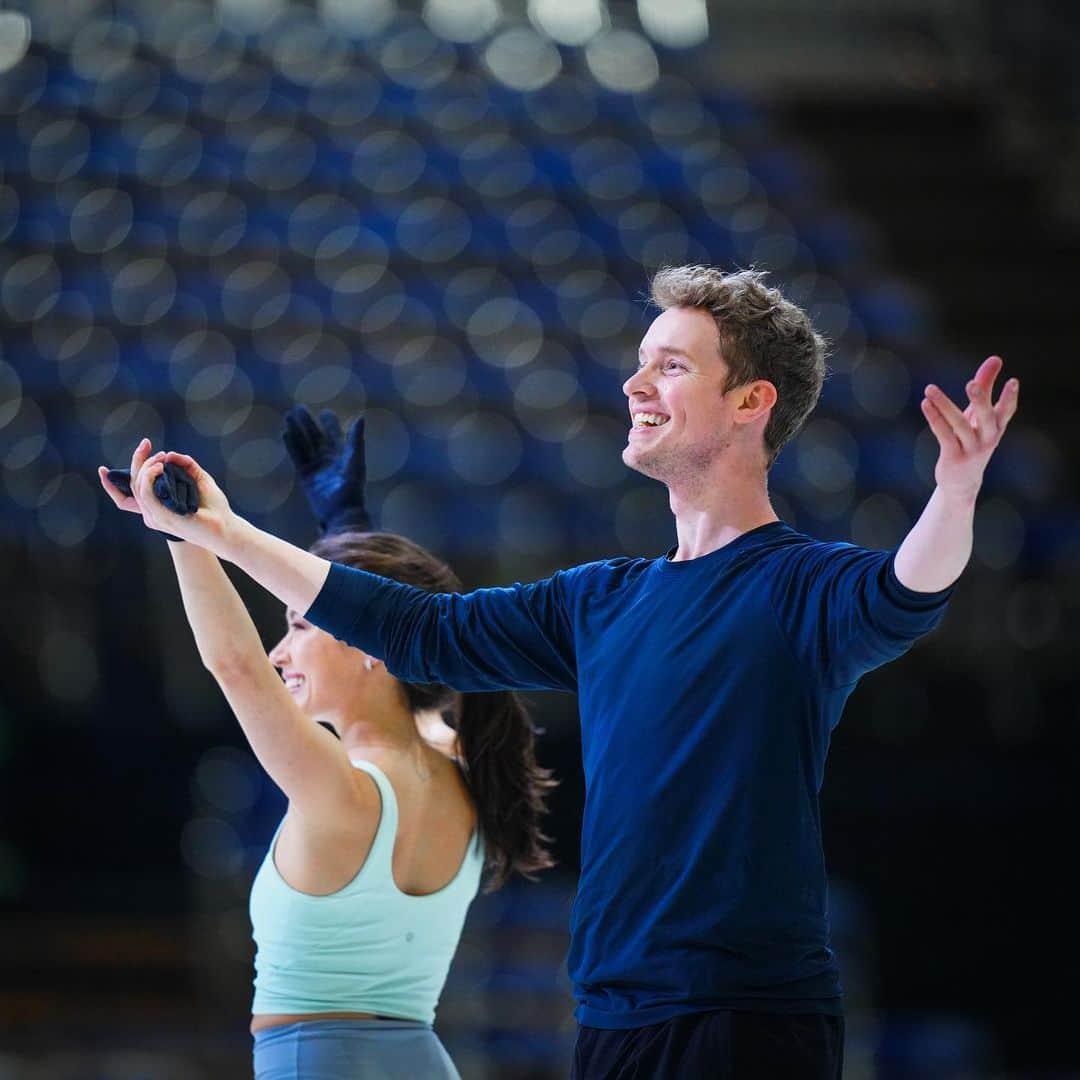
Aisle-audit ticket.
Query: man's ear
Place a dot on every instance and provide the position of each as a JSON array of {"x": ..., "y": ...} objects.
[{"x": 754, "y": 400}]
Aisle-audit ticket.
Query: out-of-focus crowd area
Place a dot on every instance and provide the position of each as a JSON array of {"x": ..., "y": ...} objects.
[{"x": 444, "y": 215}]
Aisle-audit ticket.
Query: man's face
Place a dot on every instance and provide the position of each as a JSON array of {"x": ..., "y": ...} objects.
[{"x": 680, "y": 419}]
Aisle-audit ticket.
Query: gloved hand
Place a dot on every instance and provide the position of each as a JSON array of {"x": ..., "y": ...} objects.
[
  {"x": 331, "y": 467},
  {"x": 174, "y": 489}
]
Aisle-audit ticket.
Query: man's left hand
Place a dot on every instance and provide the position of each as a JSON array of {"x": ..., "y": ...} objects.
[{"x": 968, "y": 439}]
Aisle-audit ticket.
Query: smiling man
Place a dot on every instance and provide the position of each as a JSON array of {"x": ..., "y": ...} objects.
[{"x": 709, "y": 682}]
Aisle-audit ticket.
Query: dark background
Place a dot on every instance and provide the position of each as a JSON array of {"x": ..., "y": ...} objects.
[{"x": 448, "y": 220}]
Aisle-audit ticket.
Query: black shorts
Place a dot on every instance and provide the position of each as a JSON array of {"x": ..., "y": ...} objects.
[{"x": 721, "y": 1045}]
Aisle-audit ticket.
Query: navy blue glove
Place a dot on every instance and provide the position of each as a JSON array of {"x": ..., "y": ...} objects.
[
  {"x": 331, "y": 467},
  {"x": 173, "y": 488}
]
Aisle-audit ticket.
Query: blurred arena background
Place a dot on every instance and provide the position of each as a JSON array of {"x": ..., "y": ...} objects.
[{"x": 444, "y": 214}]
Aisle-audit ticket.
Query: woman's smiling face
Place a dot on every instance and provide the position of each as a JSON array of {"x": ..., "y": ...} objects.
[{"x": 320, "y": 672}]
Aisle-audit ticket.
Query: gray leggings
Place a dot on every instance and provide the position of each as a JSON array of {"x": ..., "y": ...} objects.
[{"x": 351, "y": 1050}]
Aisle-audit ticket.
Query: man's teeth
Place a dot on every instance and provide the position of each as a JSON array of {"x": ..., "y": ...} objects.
[
  {"x": 293, "y": 681},
  {"x": 649, "y": 420}
]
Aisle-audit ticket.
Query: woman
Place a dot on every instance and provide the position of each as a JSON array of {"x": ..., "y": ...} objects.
[{"x": 359, "y": 904}]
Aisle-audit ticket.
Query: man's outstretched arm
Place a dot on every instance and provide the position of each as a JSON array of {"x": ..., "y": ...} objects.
[
  {"x": 491, "y": 639},
  {"x": 937, "y": 549}
]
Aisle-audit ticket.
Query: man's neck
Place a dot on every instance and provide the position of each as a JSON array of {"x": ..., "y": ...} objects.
[{"x": 710, "y": 515}]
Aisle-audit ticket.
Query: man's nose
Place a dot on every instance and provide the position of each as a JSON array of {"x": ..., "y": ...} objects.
[{"x": 637, "y": 383}]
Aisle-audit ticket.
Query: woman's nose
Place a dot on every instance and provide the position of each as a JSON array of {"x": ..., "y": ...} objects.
[{"x": 278, "y": 653}]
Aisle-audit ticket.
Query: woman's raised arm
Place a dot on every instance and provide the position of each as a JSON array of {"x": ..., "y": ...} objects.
[{"x": 302, "y": 758}]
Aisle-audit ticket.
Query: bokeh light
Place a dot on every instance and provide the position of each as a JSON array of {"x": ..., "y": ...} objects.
[
  {"x": 14, "y": 39},
  {"x": 279, "y": 158},
  {"x": 496, "y": 166},
  {"x": 429, "y": 371},
  {"x": 10, "y": 393},
  {"x": 68, "y": 666},
  {"x": 880, "y": 522},
  {"x": 257, "y": 475},
  {"x": 463, "y": 21},
  {"x": 227, "y": 779},
  {"x": 676, "y": 24},
  {"x": 255, "y": 294},
  {"x": 593, "y": 455},
  {"x": 828, "y": 456},
  {"x": 388, "y": 444},
  {"x": 881, "y": 383},
  {"x": 143, "y": 290},
  {"x": 87, "y": 360},
  {"x": 101, "y": 220},
  {"x": 484, "y": 448},
  {"x": 622, "y": 60},
  {"x": 30, "y": 287},
  {"x": 416, "y": 58},
  {"x": 505, "y": 333},
  {"x": 569, "y": 22},
  {"x": 212, "y": 848},
  {"x": 59, "y": 150},
  {"x": 433, "y": 229},
  {"x": 354, "y": 20},
  {"x": 528, "y": 521},
  {"x": 1033, "y": 614},
  {"x": 999, "y": 533},
  {"x": 522, "y": 59},
  {"x": 125, "y": 425},
  {"x": 25, "y": 434},
  {"x": 34, "y": 482},
  {"x": 69, "y": 515},
  {"x": 415, "y": 511}
]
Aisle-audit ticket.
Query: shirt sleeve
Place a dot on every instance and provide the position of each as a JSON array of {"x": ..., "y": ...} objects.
[
  {"x": 514, "y": 638},
  {"x": 845, "y": 611}
]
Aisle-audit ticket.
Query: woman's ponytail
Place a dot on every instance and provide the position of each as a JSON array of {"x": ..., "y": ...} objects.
[
  {"x": 495, "y": 736},
  {"x": 496, "y": 746}
]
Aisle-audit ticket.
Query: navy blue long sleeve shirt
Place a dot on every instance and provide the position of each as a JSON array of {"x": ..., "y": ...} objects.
[{"x": 708, "y": 690}]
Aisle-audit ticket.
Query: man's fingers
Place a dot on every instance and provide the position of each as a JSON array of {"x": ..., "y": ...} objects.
[
  {"x": 941, "y": 428},
  {"x": 981, "y": 410},
  {"x": 987, "y": 373},
  {"x": 1007, "y": 402},
  {"x": 956, "y": 420}
]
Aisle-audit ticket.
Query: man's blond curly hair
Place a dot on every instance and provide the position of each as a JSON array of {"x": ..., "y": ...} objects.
[{"x": 762, "y": 336}]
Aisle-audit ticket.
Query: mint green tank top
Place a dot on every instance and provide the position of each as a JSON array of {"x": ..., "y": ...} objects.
[{"x": 368, "y": 947}]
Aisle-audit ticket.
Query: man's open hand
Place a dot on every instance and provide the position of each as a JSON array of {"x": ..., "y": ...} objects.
[{"x": 967, "y": 439}]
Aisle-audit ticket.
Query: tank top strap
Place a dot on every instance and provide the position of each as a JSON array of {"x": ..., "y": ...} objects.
[{"x": 381, "y": 854}]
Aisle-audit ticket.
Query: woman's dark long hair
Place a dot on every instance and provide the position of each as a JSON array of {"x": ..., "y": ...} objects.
[{"x": 495, "y": 734}]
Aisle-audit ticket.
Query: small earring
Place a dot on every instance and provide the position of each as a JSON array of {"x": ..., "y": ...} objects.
[{"x": 369, "y": 664}]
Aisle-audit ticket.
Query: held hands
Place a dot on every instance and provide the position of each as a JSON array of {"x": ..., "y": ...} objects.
[
  {"x": 968, "y": 439},
  {"x": 331, "y": 467},
  {"x": 148, "y": 479}
]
